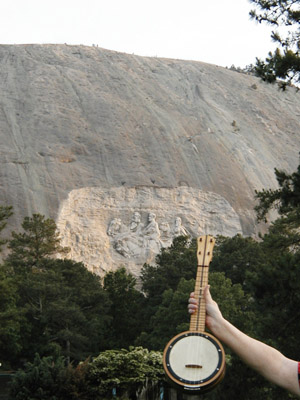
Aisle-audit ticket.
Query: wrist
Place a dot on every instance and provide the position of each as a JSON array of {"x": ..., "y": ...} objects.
[{"x": 218, "y": 326}]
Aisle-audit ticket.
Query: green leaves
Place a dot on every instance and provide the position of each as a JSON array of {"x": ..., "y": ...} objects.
[
  {"x": 5, "y": 213},
  {"x": 39, "y": 380},
  {"x": 170, "y": 317},
  {"x": 126, "y": 370},
  {"x": 11, "y": 321},
  {"x": 39, "y": 240},
  {"x": 50, "y": 378},
  {"x": 284, "y": 232},
  {"x": 125, "y": 309},
  {"x": 285, "y": 199},
  {"x": 284, "y": 65}
]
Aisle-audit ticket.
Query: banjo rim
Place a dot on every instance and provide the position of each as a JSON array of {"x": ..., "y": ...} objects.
[{"x": 203, "y": 384}]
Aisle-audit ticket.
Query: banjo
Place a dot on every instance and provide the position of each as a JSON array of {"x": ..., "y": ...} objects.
[{"x": 194, "y": 360}]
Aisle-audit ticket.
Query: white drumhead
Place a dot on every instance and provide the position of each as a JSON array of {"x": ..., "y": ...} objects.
[{"x": 194, "y": 358}]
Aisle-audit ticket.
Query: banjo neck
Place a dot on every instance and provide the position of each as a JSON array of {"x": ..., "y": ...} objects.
[{"x": 205, "y": 245}]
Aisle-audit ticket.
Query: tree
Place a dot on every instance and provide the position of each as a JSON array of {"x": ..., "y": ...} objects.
[
  {"x": 125, "y": 371},
  {"x": 126, "y": 308},
  {"x": 284, "y": 232},
  {"x": 236, "y": 256},
  {"x": 40, "y": 240},
  {"x": 173, "y": 263},
  {"x": 170, "y": 317},
  {"x": 5, "y": 213},
  {"x": 11, "y": 321},
  {"x": 49, "y": 378},
  {"x": 285, "y": 199},
  {"x": 283, "y": 64},
  {"x": 66, "y": 311},
  {"x": 56, "y": 297},
  {"x": 39, "y": 380}
]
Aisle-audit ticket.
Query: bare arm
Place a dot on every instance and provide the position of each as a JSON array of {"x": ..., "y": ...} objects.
[{"x": 266, "y": 360}]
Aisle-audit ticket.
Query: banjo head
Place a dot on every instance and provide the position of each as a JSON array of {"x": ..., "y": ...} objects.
[{"x": 194, "y": 361}]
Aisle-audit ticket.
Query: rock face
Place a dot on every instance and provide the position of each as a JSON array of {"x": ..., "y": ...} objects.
[
  {"x": 74, "y": 117},
  {"x": 109, "y": 228}
]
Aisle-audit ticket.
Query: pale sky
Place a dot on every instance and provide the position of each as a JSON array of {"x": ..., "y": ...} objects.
[{"x": 219, "y": 32}]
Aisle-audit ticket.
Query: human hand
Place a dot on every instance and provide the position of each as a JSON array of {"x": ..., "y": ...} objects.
[{"x": 213, "y": 313}]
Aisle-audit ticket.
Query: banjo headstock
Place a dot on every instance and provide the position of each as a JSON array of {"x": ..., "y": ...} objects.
[{"x": 205, "y": 245}]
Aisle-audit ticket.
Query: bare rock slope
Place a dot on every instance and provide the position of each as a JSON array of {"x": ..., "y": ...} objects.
[{"x": 75, "y": 118}]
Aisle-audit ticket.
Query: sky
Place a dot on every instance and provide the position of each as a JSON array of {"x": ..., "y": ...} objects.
[{"x": 218, "y": 32}]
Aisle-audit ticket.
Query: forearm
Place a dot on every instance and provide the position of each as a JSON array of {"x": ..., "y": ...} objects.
[{"x": 264, "y": 359}]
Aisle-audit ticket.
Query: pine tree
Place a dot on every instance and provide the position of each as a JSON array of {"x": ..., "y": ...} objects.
[
  {"x": 5, "y": 213},
  {"x": 39, "y": 241},
  {"x": 126, "y": 308},
  {"x": 284, "y": 63}
]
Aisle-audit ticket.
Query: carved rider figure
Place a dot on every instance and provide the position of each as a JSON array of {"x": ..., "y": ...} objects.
[
  {"x": 165, "y": 234},
  {"x": 114, "y": 227},
  {"x": 130, "y": 242},
  {"x": 179, "y": 229},
  {"x": 152, "y": 234},
  {"x": 135, "y": 224}
]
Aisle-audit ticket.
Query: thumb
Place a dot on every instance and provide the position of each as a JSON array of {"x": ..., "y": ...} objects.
[{"x": 207, "y": 295}]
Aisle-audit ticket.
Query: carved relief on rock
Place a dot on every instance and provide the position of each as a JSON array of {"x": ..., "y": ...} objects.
[
  {"x": 179, "y": 229},
  {"x": 128, "y": 243},
  {"x": 108, "y": 228},
  {"x": 139, "y": 240}
]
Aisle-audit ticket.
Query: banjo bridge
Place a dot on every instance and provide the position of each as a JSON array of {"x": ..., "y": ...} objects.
[{"x": 193, "y": 366}]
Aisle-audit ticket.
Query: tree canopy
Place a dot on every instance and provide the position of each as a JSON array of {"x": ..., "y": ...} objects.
[
  {"x": 38, "y": 241},
  {"x": 284, "y": 63},
  {"x": 5, "y": 213}
]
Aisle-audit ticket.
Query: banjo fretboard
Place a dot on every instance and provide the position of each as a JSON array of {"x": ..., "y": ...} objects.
[{"x": 204, "y": 255}]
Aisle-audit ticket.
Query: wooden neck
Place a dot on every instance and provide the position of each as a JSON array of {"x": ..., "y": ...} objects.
[
  {"x": 197, "y": 322},
  {"x": 204, "y": 256}
]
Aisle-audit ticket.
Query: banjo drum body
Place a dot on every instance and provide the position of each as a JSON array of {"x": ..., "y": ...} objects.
[{"x": 194, "y": 362}]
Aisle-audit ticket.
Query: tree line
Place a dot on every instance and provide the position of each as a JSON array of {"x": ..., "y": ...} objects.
[{"x": 67, "y": 330}]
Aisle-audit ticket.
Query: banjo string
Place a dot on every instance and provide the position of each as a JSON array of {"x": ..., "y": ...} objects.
[{"x": 201, "y": 304}]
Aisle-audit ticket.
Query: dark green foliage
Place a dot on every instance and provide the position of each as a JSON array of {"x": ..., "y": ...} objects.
[
  {"x": 125, "y": 310},
  {"x": 285, "y": 200},
  {"x": 5, "y": 213},
  {"x": 277, "y": 13},
  {"x": 39, "y": 380},
  {"x": 49, "y": 378},
  {"x": 176, "y": 262},
  {"x": 285, "y": 63},
  {"x": 170, "y": 318},
  {"x": 58, "y": 302},
  {"x": 277, "y": 294},
  {"x": 284, "y": 232},
  {"x": 39, "y": 240},
  {"x": 54, "y": 299},
  {"x": 11, "y": 321},
  {"x": 76, "y": 384},
  {"x": 128, "y": 371},
  {"x": 237, "y": 256}
]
